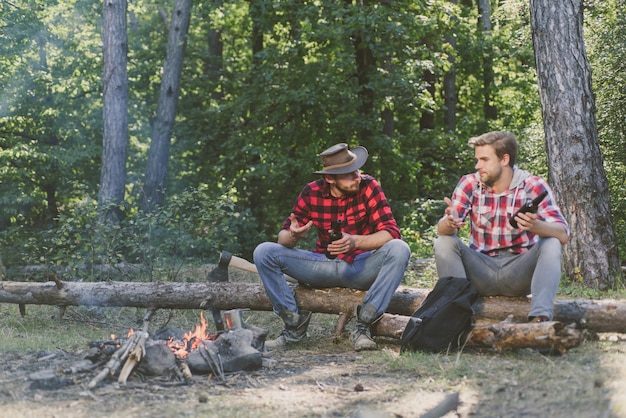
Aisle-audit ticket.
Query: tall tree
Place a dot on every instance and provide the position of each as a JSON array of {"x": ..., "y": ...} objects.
[
  {"x": 158, "y": 155},
  {"x": 115, "y": 110},
  {"x": 484, "y": 20},
  {"x": 449, "y": 81},
  {"x": 365, "y": 64},
  {"x": 575, "y": 162}
]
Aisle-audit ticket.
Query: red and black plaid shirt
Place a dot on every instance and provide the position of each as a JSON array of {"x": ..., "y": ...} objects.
[{"x": 365, "y": 213}]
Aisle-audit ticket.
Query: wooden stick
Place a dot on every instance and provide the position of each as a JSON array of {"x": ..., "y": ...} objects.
[{"x": 123, "y": 352}]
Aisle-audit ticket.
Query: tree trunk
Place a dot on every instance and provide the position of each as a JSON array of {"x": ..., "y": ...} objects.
[
  {"x": 256, "y": 15},
  {"x": 596, "y": 315},
  {"x": 214, "y": 63},
  {"x": 115, "y": 110},
  {"x": 158, "y": 155},
  {"x": 365, "y": 63},
  {"x": 449, "y": 88},
  {"x": 501, "y": 336},
  {"x": 575, "y": 163},
  {"x": 484, "y": 19}
]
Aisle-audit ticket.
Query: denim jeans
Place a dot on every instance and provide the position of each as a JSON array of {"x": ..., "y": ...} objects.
[
  {"x": 380, "y": 272},
  {"x": 537, "y": 271}
]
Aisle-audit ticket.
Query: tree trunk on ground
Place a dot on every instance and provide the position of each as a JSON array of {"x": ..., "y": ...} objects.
[
  {"x": 596, "y": 315},
  {"x": 501, "y": 336},
  {"x": 115, "y": 110},
  {"x": 158, "y": 155},
  {"x": 576, "y": 169}
]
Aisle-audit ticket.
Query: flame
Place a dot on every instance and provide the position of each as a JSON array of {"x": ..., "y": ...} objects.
[{"x": 191, "y": 340}]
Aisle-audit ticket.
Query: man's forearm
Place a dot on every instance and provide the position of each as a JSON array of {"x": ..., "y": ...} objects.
[
  {"x": 373, "y": 241},
  {"x": 551, "y": 229}
]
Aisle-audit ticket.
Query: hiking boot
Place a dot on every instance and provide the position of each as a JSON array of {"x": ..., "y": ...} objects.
[
  {"x": 362, "y": 337},
  {"x": 537, "y": 319},
  {"x": 296, "y": 325},
  {"x": 362, "y": 334}
]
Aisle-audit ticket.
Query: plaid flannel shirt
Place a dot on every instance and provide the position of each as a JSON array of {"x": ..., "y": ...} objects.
[
  {"x": 489, "y": 212},
  {"x": 363, "y": 214}
]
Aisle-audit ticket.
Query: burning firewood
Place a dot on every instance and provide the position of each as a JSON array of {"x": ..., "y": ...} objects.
[
  {"x": 176, "y": 353},
  {"x": 133, "y": 347}
]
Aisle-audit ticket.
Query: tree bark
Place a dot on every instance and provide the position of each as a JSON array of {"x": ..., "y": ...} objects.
[
  {"x": 484, "y": 20},
  {"x": 365, "y": 64},
  {"x": 449, "y": 82},
  {"x": 575, "y": 162},
  {"x": 501, "y": 336},
  {"x": 607, "y": 315},
  {"x": 115, "y": 110},
  {"x": 158, "y": 155}
]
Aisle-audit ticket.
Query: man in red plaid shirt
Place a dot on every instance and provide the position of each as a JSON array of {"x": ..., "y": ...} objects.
[
  {"x": 501, "y": 259},
  {"x": 370, "y": 255}
]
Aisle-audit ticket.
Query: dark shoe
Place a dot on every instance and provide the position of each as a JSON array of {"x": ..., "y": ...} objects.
[
  {"x": 296, "y": 325},
  {"x": 537, "y": 319},
  {"x": 362, "y": 334}
]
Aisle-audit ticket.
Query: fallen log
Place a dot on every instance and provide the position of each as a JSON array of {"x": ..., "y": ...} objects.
[
  {"x": 501, "y": 336},
  {"x": 601, "y": 315}
]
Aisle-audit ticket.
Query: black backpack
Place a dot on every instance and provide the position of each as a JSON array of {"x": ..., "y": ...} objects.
[{"x": 444, "y": 319}]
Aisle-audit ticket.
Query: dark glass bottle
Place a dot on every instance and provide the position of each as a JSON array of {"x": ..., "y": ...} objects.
[
  {"x": 335, "y": 234},
  {"x": 530, "y": 207}
]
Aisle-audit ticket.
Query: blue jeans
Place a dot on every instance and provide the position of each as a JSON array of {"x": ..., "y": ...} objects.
[
  {"x": 380, "y": 272},
  {"x": 536, "y": 272}
]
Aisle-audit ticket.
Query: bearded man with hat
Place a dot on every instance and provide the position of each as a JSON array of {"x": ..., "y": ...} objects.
[{"x": 369, "y": 256}]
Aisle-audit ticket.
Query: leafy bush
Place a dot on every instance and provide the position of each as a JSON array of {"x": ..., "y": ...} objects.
[{"x": 191, "y": 225}]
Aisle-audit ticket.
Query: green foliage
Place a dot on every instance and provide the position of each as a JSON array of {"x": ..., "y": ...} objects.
[
  {"x": 192, "y": 225},
  {"x": 607, "y": 50},
  {"x": 253, "y": 124}
]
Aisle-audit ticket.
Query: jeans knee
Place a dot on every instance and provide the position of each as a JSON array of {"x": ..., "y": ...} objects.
[
  {"x": 551, "y": 247},
  {"x": 445, "y": 244},
  {"x": 261, "y": 251},
  {"x": 399, "y": 250}
]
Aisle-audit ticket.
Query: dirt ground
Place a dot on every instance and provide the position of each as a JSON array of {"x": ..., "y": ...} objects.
[{"x": 326, "y": 378}]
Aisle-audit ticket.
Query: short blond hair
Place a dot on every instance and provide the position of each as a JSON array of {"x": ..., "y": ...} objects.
[{"x": 503, "y": 142}]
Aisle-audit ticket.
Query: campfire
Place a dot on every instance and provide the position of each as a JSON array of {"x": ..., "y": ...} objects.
[
  {"x": 192, "y": 340},
  {"x": 173, "y": 352}
]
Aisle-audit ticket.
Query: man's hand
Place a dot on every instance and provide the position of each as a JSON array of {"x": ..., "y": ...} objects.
[
  {"x": 450, "y": 223},
  {"x": 531, "y": 222},
  {"x": 341, "y": 246},
  {"x": 526, "y": 221},
  {"x": 296, "y": 230},
  {"x": 289, "y": 238}
]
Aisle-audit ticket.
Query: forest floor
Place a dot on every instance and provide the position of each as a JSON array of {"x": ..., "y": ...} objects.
[
  {"x": 321, "y": 377},
  {"x": 325, "y": 377}
]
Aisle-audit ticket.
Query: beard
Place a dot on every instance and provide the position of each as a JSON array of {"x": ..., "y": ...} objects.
[
  {"x": 348, "y": 191},
  {"x": 490, "y": 179}
]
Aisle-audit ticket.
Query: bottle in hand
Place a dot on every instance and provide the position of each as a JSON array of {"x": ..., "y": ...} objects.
[
  {"x": 530, "y": 207},
  {"x": 335, "y": 234}
]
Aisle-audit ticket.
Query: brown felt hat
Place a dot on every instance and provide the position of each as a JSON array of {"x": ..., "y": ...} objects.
[{"x": 338, "y": 159}]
